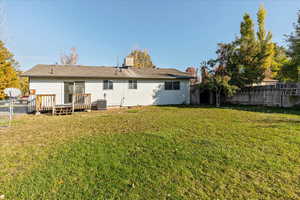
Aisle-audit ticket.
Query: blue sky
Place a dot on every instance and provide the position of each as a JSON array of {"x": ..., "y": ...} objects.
[{"x": 177, "y": 33}]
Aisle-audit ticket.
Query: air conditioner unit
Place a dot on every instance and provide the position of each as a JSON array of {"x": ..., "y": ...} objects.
[{"x": 102, "y": 104}]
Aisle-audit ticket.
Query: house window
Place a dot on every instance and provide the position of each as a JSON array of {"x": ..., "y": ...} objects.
[
  {"x": 168, "y": 85},
  {"x": 172, "y": 85},
  {"x": 108, "y": 85},
  {"x": 176, "y": 85},
  {"x": 132, "y": 84}
]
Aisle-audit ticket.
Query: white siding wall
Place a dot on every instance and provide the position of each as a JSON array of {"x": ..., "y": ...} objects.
[
  {"x": 149, "y": 92},
  {"x": 48, "y": 86}
]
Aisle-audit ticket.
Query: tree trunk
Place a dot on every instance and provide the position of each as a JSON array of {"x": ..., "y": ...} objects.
[{"x": 218, "y": 98}]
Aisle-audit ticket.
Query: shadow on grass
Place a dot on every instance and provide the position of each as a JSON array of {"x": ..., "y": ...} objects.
[
  {"x": 261, "y": 109},
  {"x": 185, "y": 106},
  {"x": 264, "y": 109}
]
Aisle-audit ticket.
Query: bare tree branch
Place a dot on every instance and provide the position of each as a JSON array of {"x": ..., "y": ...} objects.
[{"x": 69, "y": 59}]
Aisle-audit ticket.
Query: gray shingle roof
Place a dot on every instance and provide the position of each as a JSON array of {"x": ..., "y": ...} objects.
[{"x": 79, "y": 71}]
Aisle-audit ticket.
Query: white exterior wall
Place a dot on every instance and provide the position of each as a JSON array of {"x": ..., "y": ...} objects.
[
  {"x": 148, "y": 92},
  {"x": 48, "y": 86}
]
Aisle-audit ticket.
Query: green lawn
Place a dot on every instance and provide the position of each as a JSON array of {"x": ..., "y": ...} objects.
[
  {"x": 153, "y": 153},
  {"x": 4, "y": 120}
]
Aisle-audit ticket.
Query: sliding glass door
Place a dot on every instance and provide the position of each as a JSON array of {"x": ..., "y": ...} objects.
[{"x": 77, "y": 87}]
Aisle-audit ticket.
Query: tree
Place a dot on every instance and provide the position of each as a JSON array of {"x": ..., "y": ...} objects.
[
  {"x": 250, "y": 59},
  {"x": 242, "y": 57},
  {"x": 204, "y": 72},
  {"x": 215, "y": 76},
  {"x": 265, "y": 44},
  {"x": 69, "y": 59},
  {"x": 24, "y": 83},
  {"x": 217, "y": 80},
  {"x": 8, "y": 74},
  {"x": 261, "y": 15},
  {"x": 229, "y": 57},
  {"x": 280, "y": 63},
  {"x": 141, "y": 59},
  {"x": 289, "y": 73},
  {"x": 292, "y": 71}
]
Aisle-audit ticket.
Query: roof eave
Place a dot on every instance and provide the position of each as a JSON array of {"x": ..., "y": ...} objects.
[{"x": 106, "y": 77}]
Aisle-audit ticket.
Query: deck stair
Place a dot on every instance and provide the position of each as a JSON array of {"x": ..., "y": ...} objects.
[{"x": 62, "y": 109}]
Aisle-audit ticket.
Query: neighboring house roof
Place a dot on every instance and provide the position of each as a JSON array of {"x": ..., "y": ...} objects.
[
  {"x": 269, "y": 80},
  {"x": 79, "y": 71},
  {"x": 265, "y": 81}
]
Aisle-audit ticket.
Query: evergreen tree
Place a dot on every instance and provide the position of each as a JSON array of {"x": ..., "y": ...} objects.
[
  {"x": 265, "y": 44},
  {"x": 292, "y": 71},
  {"x": 261, "y": 15},
  {"x": 280, "y": 61},
  {"x": 141, "y": 59},
  {"x": 8, "y": 74},
  {"x": 252, "y": 57},
  {"x": 249, "y": 57}
]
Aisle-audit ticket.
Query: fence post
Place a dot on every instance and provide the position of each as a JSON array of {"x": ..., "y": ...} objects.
[{"x": 10, "y": 111}]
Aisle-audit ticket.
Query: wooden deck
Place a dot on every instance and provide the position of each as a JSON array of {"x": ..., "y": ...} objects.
[{"x": 47, "y": 102}]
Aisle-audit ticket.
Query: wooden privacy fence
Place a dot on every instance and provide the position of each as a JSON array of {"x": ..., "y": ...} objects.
[
  {"x": 281, "y": 95},
  {"x": 47, "y": 102}
]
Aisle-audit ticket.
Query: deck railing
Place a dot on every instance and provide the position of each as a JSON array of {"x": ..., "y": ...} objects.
[
  {"x": 44, "y": 102},
  {"x": 47, "y": 102},
  {"x": 82, "y": 102}
]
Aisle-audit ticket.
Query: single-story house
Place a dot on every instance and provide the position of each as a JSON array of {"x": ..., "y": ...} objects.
[{"x": 119, "y": 86}]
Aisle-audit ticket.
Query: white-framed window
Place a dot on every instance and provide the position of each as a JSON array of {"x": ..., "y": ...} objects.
[
  {"x": 108, "y": 85},
  {"x": 132, "y": 84},
  {"x": 172, "y": 85}
]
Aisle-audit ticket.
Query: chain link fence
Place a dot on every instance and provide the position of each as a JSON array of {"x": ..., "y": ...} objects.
[
  {"x": 4, "y": 113},
  {"x": 19, "y": 107}
]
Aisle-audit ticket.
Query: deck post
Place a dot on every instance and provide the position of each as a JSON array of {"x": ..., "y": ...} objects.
[
  {"x": 37, "y": 105},
  {"x": 73, "y": 103},
  {"x": 73, "y": 98},
  {"x": 53, "y": 105}
]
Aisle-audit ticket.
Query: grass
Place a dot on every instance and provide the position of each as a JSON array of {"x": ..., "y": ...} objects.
[
  {"x": 4, "y": 120},
  {"x": 153, "y": 153},
  {"x": 133, "y": 111}
]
